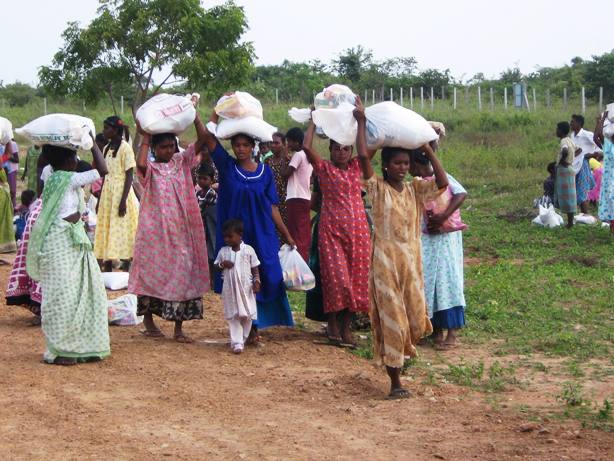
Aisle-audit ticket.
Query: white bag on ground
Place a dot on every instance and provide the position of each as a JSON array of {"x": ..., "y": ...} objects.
[
  {"x": 296, "y": 272},
  {"x": 122, "y": 311},
  {"x": 238, "y": 105},
  {"x": 166, "y": 113},
  {"x": 66, "y": 130},
  {"x": 585, "y": 219},
  {"x": 115, "y": 280},
  {"x": 6, "y": 130},
  {"x": 391, "y": 125},
  {"x": 251, "y": 126},
  {"x": 548, "y": 217}
]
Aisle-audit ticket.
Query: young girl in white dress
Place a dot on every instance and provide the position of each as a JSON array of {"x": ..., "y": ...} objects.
[{"x": 241, "y": 280}]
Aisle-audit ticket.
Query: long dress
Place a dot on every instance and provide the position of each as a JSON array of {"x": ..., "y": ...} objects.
[
  {"x": 442, "y": 256},
  {"x": 74, "y": 316},
  {"x": 22, "y": 290},
  {"x": 565, "y": 198},
  {"x": 170, "y": 271},
  {"x": 249, "y": 196},
  {"x": 32, "y": 175},
  {"x": 606, "y": 195},
  {"x": 281, "y": 184},
  {"x": 396, "y": 285},
  {"x": 114, "y": 234},
  {"x": 584, "y": 183},
  {"x": 344, "y": 239},
  {"x": 7, "y": 233}
]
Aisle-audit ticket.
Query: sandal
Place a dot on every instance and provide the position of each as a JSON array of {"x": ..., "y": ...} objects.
[
  {"x": 152, "y": 333},
  {"x": 397, "y": 394},
  {"x": 183, "y": 339}
]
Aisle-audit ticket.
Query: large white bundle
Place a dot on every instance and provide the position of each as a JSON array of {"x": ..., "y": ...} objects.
[
  {"x": 334, "y": 114},
  {"x": 166, "y": 113},
  {"x": 6, "y": 130},
  {"x": 238, "y": 105},
  {"x": 391, "y": 125},
  {"x": 333, "y": 96},
  {"x": 67, "y": 130},
  {"x": 250, "y": 126}
]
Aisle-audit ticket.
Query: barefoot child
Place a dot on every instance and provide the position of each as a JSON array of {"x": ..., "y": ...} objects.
[
  {"x": 170, "y": 273},
  {"x": 398, "y": 308},
  {"x": 241, "y": 279}
]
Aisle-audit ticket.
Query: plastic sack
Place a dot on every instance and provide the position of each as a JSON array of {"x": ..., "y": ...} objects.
[
  {"x": 300, "y": 115},
  {"x": 166, "y": 113},
  {"x": 296, "y": 272},
  {"x": 338, "y": 124},
  {"x": 439, "y": 205},
  {"x": 333, "y": 96},
  {"x": 439, "y": 128},
  {"x": 115, "y": 280},
  {"x": 610, "y": 110},
  {"x": 122, "y": 311},
  {"x": 585, "y": 219},
  {"x": 238, "y": 105},
  {"x": 548, "y": 217},
  {"x": 391, "y": 125},
  {"x": 66, "y": 130},
  {"x": 251, "y": 126},
  {"x": 6, "y": 130}
]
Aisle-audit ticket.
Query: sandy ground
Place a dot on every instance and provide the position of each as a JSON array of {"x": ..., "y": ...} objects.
[{"x": 291, "y": 399}]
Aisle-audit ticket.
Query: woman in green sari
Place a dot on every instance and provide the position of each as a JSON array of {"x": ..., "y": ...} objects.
[
  {"x": 7, "y": 231},
  {"x": 74, "y": 306},
  {"x": 31, "y": 171}
]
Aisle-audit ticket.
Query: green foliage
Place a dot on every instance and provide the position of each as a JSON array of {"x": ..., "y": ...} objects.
[{"x": 17, "y": 94}]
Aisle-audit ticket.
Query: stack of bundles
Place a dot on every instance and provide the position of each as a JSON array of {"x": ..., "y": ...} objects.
[
  {"x": 167, "y": 113},
  {"x": 241, "y": 113},
  {"x": 65, "y": 130}
]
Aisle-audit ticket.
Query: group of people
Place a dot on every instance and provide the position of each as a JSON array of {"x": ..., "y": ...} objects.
[
  {"x": 583, "y": 172},
  {"x": 206, "y": 217}
]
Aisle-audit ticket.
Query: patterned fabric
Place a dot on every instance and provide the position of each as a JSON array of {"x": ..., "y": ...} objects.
[
  {"x": 314, "y": 304},
  {"x": 565, "y": 189},
  {"x": 567, "y": 151},
  {"x": 114, "y": 234},
  {"x": 396, "y": 285},
  {"x": 299, "y": 224},
  {"x": 32, "y": 157},
  {"x": 344, "y": 239},
  {"x": 191, "y": 309},
  {"x": 593, "y": 195},
  {"x": 170, "y": 253},
  {"x": 7, "y": 233},
  {"x": 22, "y": 290},
  {"x": 606, "y": 196},
  {"x": 277, "y": 164},
  {"x": 584, "y": 182},
  {"x": 207, "y": 203}
]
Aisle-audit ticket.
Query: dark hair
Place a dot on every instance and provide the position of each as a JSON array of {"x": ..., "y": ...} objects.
[
  {"x": 101, "y": 139},
  {"x": 280, "y": 135},
  {"x": 295, "y": 134},
  {"x": 563, "y": 127},
  {"x": 205, "y": 170},
  {"x": 388, "y": 153},
  {"x": 58, "y": 155},
  {"x": 578, "y": 118},
  {"x": 117, "y": 123},
  {"x": 551, "y": 167},
  {"x": 251, "y": 140},
  {"x": 83, "y": 166},
  {"x": 233, "y": 225},
  {"x": 161, "y": 137},
  {"x": 27, "y": 197}
]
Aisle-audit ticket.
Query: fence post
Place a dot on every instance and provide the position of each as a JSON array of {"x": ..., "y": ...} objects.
[
  {"x": 466, "y": 95},
  {"x": 372, "y": 96},
  {"x": 276, "y": 96},
  {"x": 492, "y": 99},
  {"x": 83, "y": 104},
  {"x": 366, "y": 100},
  {"x": 432, "y": 98},
  {"x": 534, "y": 100},
  {"x": 411, "y": 97},
  {"x": 44, "y": 106},
  {"x": 421, "y": 98},
  {"x": 600, "y": 98},
  {"x": 583, "y": 101},
  {"x": 565, "y": 97},
  {"x": 401, "y": 95},
  {"x": 454, "y": 103},
  {"x": 548, "y": 98},
  {"x": 121, "y": 104},
  {"x": 479, "y": 98},
  {"x": 505, "y": 98},
  {"x": 443, "y": 93}
]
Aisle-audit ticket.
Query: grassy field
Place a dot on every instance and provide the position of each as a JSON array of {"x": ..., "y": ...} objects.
[{"x": 532, "y": 293}]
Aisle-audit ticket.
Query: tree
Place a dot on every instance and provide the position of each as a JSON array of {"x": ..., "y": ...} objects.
[
  {"x": 139, "y": 46},
  {"x": 352, "y": 62},
  {"x": 599, "y": 73},
  {"x": 17, "y": 94}
]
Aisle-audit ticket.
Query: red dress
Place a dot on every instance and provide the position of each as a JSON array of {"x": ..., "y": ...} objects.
[{"x": 344, "y": 241}]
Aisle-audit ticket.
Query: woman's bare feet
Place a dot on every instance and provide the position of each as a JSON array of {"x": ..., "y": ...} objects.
[
  {"x": 151, "y": 329},
  {"x": 437, "y": 336},
  {"x": 179, "y": 335}
]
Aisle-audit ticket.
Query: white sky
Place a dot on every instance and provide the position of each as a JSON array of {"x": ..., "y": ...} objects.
[{"x": 465, "y": 36}]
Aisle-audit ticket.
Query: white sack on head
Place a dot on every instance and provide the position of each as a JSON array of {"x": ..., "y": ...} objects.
[
  {"x": 338, "y": 124},
  {"x": 250, "y": 126},
  {"x": 66, "y": 130},
  {"x": 238, "y": 105},
  {"x": 333, "y": 96},
  {"x": 166, "y": 113},
  {"x": 391, "y": 125},
  {"x": 6, "y": 130}
]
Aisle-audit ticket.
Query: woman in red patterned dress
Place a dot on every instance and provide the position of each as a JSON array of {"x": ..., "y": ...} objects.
[{"x": 344, "y": 240}]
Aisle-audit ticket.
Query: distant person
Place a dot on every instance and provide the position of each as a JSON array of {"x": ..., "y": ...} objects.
[
  {"x": 298, "y": 192},
  {"x": 264, "y": 151},
  {"x": 31, "y": 172},
  {"x": 604, "y": 137},
  {"x": 278, "y": 162},
  {"x": 547, "y": 198},
  {"x": 565, "y": 184},
  {"x": 583, "y": 139},
  {"x": 7, "y": 231},
  {"x": 23, "y": 211},
  {"x": 12, "y": 168},
  {"x": 597, "y": 169},
  {"x": 207, "y": 200}
]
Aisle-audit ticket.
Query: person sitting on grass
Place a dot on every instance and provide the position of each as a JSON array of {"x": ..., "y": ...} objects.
[
  {"x": 547, "y": 198},
  {"x": 565, "y": 182}
]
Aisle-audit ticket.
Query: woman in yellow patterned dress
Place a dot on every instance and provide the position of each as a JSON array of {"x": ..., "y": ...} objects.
[{"x": 118, "y": 210}]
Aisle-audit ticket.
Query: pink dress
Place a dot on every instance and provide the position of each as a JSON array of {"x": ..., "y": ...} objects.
[
  {"x": 170, "y": 253},
  {"x": 593, "y": 195}
]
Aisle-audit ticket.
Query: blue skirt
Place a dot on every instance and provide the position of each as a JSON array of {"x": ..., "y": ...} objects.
[
  {"x": 450, "y": 318},
  {"x": 585, "y": 182}
]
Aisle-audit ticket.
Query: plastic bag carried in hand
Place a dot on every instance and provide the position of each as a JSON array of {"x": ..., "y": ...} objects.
[
  {"x": 6, "y": 130},
  {"x": 296, "y": 272},
  {"x": 238, "y": 105},
  {"x": 166, "y": 113},
  {"x": 122, "y": 311},
  {"x": 548, "y": 217},
  {"x": 391, "y": 125},
  {"x": 66, "y": 130},
  {"x": 438, "y": 206},
  {"x": 251, "y": 126}
]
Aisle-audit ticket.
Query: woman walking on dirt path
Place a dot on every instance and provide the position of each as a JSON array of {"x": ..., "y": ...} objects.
[
  {"x": 344, "y": 239},
  {"x": 604, "y": 137},
  {"x": 170, "y": 271},
  {"x": 118, "y": 211}
]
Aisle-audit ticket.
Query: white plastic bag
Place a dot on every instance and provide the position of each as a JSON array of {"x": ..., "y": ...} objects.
[
  {"x": 251, "y": 126},
  {"x": 66, "y": 130},
  {"x": 338, "y": 124},
  {"x": 548, "y": 217},
  {"x": 122, "y": 311},
  {"x": 391, "y": 125},
  {"x": 238, "y": 105},
  {"x": 300, "y": 115},
  {"x": 296, "y": 272},
  {"x": 115, "y": 280},
  {"x": 333, "y": 96},
  {"x": 166, "y": 113},
  {"x": 6, "y": 130},
  {"x": 585, "y": 219}
]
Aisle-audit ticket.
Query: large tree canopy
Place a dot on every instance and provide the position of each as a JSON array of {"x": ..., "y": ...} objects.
[{"x": 135, "y": 47}]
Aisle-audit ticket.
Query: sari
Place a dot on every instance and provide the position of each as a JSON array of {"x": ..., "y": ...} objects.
[{"x": 7, "y": 232}]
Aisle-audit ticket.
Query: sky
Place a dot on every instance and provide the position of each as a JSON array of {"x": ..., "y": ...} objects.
[{"x": 466, "y": 37}]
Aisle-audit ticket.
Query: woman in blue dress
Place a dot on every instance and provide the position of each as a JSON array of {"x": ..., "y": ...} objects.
[{"x": 247, "y": 192}]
